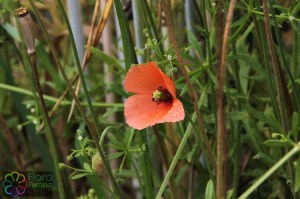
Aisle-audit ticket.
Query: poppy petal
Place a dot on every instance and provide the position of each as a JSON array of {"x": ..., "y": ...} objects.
[
  {"x": 141, "y": 112},
  {"x": 146, "y": 78},
  {"x": 174, "y": 114},
  {"x": 169, "y": 84}
]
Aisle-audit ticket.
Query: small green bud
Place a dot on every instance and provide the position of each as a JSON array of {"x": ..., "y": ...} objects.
[
  {"x": 61, "y": 166},
  {"x": 70, "y": 157},
  {"x": 90, "y": 151}
]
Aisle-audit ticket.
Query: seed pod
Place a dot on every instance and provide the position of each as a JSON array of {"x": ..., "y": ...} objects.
[
  {"x": 27, "y": 29},
  {"x": 98, "y": 165}
]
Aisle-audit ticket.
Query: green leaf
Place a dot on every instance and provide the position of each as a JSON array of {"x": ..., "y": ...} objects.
[
  {"x": 44, "y": 61},
  {"x": 115, "y": 142},
  {"x": 237, "y": 115},
  {"x": 12, "y": 31},
  {"x": 84, "y": 142},
  {"x": 264, "y": 157},
  {"x": 110, "y": 60},
  {"x": 241, "y": 21},
  {"x": 125, "y": 173},
  {"x": 87, "y": 167},
  {"x": 116, "y": 155},
  {"x": 268, "y": 119},
  {"x": 196, "y": 44},
  {"x": 79, "y": 175},
  {"x": 129, "y": 52},
  {"x": 79, "y": 153},
  {"x": 276, "y": 143}
]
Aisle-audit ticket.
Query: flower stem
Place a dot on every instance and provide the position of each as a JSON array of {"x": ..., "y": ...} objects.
[
  {"x": 222, "y": 133},
  {"x": 49, "y": 129}
]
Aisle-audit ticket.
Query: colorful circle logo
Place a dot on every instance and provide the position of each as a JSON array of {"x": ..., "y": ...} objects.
[{"x": 14, "y": 184}]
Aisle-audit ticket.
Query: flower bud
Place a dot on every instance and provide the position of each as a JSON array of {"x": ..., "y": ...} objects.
[{"x": 27, "y": 29}]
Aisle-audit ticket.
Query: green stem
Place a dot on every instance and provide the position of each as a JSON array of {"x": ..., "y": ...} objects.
[
  {"x": 181, "y": 146},
  {"x": 146, "y": 166},
  {"x": 54, "y": 100},
  {"x": 237, "y": 133},
  {"x": 174, "y": 162},
  {"x": 270, "y": 172},
  {"x": 165, "y": 159}
]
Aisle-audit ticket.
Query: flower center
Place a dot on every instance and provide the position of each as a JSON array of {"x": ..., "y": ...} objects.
[{"x": 161, "y": 95}]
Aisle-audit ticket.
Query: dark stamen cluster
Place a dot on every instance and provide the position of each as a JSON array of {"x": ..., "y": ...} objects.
[{"x": 164, "y": 95}]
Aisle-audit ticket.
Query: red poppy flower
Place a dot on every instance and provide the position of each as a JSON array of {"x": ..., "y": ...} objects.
[{"x": 154, "y": 100}]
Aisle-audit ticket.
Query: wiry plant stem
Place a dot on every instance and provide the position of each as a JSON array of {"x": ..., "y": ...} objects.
[
  {"x": 222, "y": 133},
  {"x": 275, "y": 65},
  {"x": 50, "y": 132},
  {"x": 189, "y": 85}
]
